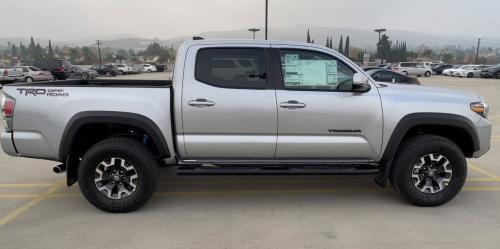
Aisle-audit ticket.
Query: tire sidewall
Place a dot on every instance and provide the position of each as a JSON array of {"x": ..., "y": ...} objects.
[
  {"x": 146, "y": 182},
  {"x": 404, "y": 174}
]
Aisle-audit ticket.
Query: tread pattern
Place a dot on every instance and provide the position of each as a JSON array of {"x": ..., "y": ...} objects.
[
  {"x": 144, "y": 162},
  {"x": 410, "y": 152}
]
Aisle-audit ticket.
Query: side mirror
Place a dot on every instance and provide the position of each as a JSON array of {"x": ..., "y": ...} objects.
[{"x": 360, "y": 83}]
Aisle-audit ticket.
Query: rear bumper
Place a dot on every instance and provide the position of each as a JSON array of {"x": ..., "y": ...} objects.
[{"x": 8, "y": 144}]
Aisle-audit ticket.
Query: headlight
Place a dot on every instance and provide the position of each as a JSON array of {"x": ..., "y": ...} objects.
[{"x": 480, "y": 108}]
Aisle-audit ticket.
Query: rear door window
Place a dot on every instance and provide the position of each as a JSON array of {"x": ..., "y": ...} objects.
[{"x": 232, "y": 67}]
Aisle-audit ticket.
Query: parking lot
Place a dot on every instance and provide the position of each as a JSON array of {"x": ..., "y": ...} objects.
[{"x": 37, "y": 210}]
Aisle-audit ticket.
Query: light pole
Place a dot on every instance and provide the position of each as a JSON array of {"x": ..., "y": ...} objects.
[
  {"x": 99, "y": 51},
  {"x": 254, "y": 30},
  {"x": 477, "y": 51},
  {"x": 267, "y": 4}
]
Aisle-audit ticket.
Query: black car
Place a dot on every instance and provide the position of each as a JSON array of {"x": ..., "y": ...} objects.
[
  {"x": 78, "y": 72},
  {"x": 370, "y": 68},
  {"x": 383, "y": 75},
  {"x": 160, "y": 67},
  {"x": 108, "y": 70},
  {"x": 438, "y": 70},
  {"x": 57, "y": 67},
  {"x": 491, "y": 72}
]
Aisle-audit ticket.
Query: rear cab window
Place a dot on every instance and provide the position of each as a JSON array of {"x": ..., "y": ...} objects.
[{"x": 244, "y": 68}]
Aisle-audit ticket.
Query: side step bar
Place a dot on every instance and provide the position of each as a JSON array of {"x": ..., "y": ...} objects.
[{"x": 336, "y": 169}]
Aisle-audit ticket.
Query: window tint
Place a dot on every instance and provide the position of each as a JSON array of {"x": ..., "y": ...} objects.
[
  {"x": 383, "y": 76},
  {"x": 310, "y": 70},
  {"x": 232, "y": 68},
  {"x": 34, "y": 69}
]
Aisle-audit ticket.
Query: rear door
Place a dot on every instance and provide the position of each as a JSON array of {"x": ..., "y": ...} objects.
[
  {"x": 228, "y": 107},
  {"x": 319, "y": 117}
]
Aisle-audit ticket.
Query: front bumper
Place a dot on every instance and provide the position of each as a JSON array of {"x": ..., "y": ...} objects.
[
  {"x": 483, "y": 129},
  {"x": 486, "y": 75},
  {"x": 8, "y": 144}
]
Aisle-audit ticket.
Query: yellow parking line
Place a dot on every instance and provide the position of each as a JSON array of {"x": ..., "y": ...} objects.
[
  {"x": 30, "y": 204},
  {"x": 25, "y": 185},
  {"x": 481, "y": 189},
  {"x": 484, "y": 172},
  {"x": 4, "y": 197},
  {"x": 483, "y": 179}
]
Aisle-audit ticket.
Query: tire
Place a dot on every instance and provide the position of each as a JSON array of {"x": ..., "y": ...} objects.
[
  {"x": 85, "y": 76},
  {"x": 108, "y": 74},
  {"x": 405, "y": 73},
  {"x": 405, "y": 179},
  {"x": 470, "y": 75},
  {"x": 150, "y": 71},
  {"x": 497, "y": 75},
  {"x": 121, "y": 72},
  {"x": 104, "y": 157},
  {"x": 28, "y": 79},
  {"x": 427, "y": 74}
]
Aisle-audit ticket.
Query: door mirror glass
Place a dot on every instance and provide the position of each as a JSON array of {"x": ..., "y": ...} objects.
[{"x": 360, "y": 83}]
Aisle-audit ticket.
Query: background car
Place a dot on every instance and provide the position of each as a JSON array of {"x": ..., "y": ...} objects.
[
  {"x": 149, "y": 68},
  {"x": 412, "y": 68},
  {"x": 124, "y": 69},
  {"x": 57, "y": 67},
  {"x": 108, "y": 70},
  {"x": 10, "y": 75},
  {"x": 384, "y": 75},
  {"x": 473, "y": 71},
  {"x": 31, "y": 74},
  {"x": 161, "y": 67},
  {"x": 438, "y": 70},
  {"x": 491, "y": 72},
  {"x": 451, "y": 71},
  {"x": 77, "y": 72}
]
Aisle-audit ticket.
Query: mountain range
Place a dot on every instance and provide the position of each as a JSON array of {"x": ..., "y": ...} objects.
[{"x": 362, "y": 38}]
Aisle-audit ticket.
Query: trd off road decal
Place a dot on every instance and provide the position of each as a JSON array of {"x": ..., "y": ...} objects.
[{"x": 51, "y": 92}]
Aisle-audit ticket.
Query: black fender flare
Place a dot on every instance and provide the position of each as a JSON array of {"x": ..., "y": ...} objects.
[
  {"x": 101, "y": 117},
  {"x": 416, "y": 119}
]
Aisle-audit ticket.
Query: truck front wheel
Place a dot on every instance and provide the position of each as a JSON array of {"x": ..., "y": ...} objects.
[
  {"x": 429, "y": 170},
  {"x": 118, "y": 175}
]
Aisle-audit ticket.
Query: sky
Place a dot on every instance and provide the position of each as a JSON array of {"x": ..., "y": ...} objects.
[{"x": 79, "y": 19}]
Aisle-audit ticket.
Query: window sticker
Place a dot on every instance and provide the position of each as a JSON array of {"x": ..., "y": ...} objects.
[{"x": 310, "y": 72}]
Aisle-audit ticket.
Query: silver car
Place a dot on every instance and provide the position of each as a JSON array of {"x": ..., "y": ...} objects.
[{"x": 35, "y": 74}]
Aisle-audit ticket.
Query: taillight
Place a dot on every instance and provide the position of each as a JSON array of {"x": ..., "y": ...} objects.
[
  {"x": 5, "y": 72},
  {"x": 396, "y": 69},
  {"x": 60, "y": 69},
  {"x": 7, "y": 112}
]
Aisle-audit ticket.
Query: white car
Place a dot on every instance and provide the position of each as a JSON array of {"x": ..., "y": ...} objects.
[
  {"x": 124, "y": 69},
  {"x": 412, "y": 68},
  {"x": 472, "y": 71},
  {"x": 451, "y": 71},
  {"x": 148, "y": 68}
]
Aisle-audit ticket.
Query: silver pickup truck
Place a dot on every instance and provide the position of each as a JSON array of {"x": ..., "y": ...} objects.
[{"x": 247, "y": 107}]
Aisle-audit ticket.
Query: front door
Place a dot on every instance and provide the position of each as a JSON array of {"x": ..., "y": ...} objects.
[
  {"x": 319, "y": 117},
  {"x": 228, "y": 109}
]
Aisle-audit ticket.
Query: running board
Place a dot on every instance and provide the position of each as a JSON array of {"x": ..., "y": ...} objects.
[{"x": 335, "y": 169}]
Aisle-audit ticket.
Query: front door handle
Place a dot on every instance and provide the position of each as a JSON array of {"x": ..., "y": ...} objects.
[
  {"x": 201, "y": 103},
  {"x": 292, "y": 104}
]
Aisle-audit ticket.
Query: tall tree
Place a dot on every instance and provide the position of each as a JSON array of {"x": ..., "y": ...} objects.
[
  {"x": 384, "y": 48},
  {"x": 22, "y": 50},
  {"x": 13, "y": 51},
  {"x": 331, "y": 42},
  {"x": 51, "y": 52},
  {"x": 347, "y": 49},
  {"x": 88, "y": 56},
  {"x": 341, "y": 45},
  {"x": 308, "y": 39},
  {"x": 327, "y": 42},
  {"x": 32, "y": 48}
]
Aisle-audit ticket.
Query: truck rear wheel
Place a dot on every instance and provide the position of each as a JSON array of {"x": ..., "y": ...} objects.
[
  {"x": 118, "y": 175},
  {"x": 429, "y": 170}
]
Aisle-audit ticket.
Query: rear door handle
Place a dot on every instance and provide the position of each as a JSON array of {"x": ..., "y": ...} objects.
[
  {"x": 292, "y": 104},
  {"x": 201, "y": 103}
]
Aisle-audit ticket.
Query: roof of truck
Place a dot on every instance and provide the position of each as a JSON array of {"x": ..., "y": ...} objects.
[{"x": 247, "y": 41}]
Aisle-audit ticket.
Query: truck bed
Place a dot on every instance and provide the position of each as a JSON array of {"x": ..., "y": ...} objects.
[{"x": 97, "y": 83}]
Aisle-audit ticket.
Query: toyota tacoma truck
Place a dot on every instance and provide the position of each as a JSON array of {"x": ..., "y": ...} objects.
[{"x": 247, "y": 107}]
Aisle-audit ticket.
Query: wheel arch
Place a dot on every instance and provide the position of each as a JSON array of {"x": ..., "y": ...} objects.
[
  {"x": 442, "y": 124},
  {"x": 80, "y": 120},
  {"x": 457, "y": 128}
]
